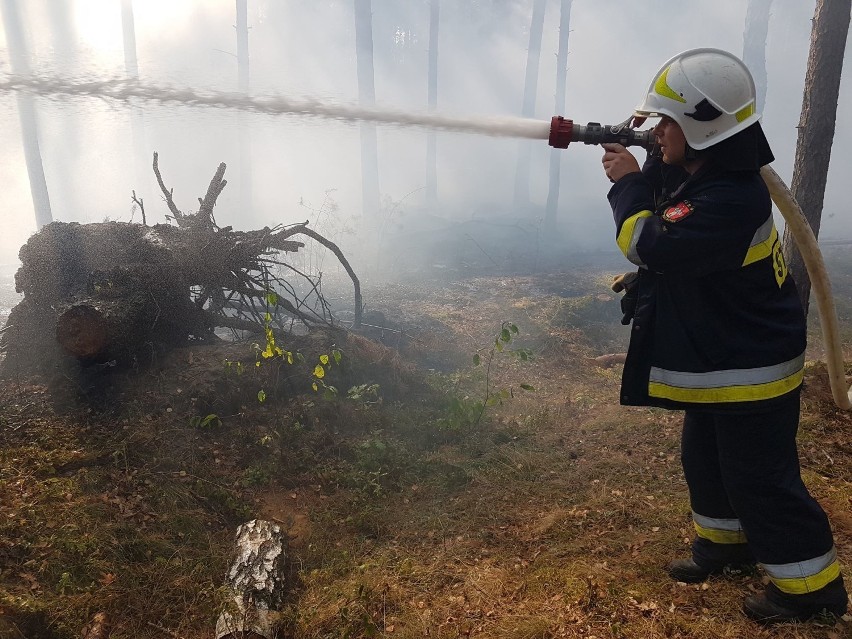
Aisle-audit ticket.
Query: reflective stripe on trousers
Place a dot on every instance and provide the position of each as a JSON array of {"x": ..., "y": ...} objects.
[
  {"x": 801, "y": 577},
  {"x": 719, "y": 531}
]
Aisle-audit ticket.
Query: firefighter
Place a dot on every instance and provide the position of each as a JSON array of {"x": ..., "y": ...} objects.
[{"x": 719, "y": 332}]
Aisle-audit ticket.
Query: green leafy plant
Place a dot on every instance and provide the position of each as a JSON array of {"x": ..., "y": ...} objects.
[
  {"x": 324, "y": 364},
  {"x": 355, "y": 618},
  {"x": 65, "y": 583},
  {"x": 364, "y": 393},
  {"x": 272, "y": 349},
  {"x": 205, "y": 422},
  {"x": 256, "y": 476},
  {"x": 234, "y": 366},
  {"x": 467, "y": 412}
]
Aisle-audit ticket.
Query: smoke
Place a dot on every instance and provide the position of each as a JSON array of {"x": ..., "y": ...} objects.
[{"x": 304, "y": 150}]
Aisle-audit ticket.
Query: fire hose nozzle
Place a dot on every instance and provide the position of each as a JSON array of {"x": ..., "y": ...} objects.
[
  {"x": 563, "y": 132},
  {"x": 560, "y": 132}
]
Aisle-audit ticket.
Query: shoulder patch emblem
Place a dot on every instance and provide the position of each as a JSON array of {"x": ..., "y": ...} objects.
[{"x": 677, "y": 212}]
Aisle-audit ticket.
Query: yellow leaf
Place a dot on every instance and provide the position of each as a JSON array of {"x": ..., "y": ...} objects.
[
  {"x": 319, "y": 372},
  {"x": 323, "y": 359}
]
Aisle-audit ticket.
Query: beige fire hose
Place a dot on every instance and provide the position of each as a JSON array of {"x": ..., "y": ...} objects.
[{"x": 808, "y": 247}]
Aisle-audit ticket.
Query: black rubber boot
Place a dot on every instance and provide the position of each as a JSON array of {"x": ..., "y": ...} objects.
[
  {"x": 687, "y": 571},
  {"x": 774, "y": 606}
]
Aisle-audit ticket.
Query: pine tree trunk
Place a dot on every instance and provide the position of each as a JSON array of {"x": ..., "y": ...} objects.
[
  {"x": 522, "y": 169},
  {"x": 65, "y": 181},
  {"x": 27, "y": 113},
  {"x": 367, "y": 97},
  {"x": 754, "y": 46},
  {"x": 817, "y": 125},
  {"x": 556, "y": 154},
  {"x": 137, "y": 117},
  {"x": 244, "y": 133},
  {"x": 432, "y": 97}
]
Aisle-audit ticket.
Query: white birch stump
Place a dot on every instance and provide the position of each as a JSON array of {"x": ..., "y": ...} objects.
[{"x": 257, "y": 581}]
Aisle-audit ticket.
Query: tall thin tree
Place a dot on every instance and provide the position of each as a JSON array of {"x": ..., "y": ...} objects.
[
  {"x": 432, "y": 98},
  {"x": 754, "y": 45},
  {"x": 243, "y": 131},
  {"x": 561, "y": 75},
  {"x": 829, "y": 30},
  {"x": 522, "y": 168},
  {"x": 64, "y": 180},
  {"x": 141, "y": 158},
  {"x": 19, "y": 59},
  {"x": 367, "y": 97}
]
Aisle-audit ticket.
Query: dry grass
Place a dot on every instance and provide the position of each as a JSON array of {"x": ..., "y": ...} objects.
[{"x": 551, "y": 517}]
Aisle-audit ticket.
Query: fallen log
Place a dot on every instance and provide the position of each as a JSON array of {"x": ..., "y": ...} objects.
[
  {"x": 127, "y": 306},
  {"x": 122, "y": 292}
]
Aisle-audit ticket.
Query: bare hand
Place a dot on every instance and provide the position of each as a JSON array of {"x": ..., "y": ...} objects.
[{"x": 618, "y": 162}]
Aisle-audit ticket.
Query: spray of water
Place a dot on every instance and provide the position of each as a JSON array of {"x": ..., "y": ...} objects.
[{"x": 130, "y": 90}]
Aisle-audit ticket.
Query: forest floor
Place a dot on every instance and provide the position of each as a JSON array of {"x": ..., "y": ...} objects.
[{"x": 412, "y": 511}]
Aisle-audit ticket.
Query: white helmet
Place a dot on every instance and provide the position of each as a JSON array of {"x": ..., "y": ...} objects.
[{"x": 708, "y": 92}]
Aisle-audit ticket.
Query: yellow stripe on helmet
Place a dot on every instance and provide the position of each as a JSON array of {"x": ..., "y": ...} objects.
[
  {"x": 662, "y": 87},
  {"x": 745, "y": 113}
]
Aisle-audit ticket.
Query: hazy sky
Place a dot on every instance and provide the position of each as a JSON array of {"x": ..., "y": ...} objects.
[{"x": 304, "y": 48}]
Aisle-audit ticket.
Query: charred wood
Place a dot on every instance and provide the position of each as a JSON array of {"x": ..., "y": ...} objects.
[{"x": 122, "y": 292}]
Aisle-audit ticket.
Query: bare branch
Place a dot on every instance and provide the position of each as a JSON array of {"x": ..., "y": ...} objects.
[
  {"x": 238, "y": 323},
  {"x": 205, "y": 212},
  {"x": 166, "y": 192},
  {"x": 334, "y": 249},
  {"x": 138, "y": 202}
]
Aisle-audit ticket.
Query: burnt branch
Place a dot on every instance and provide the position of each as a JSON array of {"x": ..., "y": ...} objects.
[
  {"x": 138, "y": 201},
  {"x": 304, "y": 230},
  {"x": 217, "y": 184},
  {"x": 167, "y": 193}
]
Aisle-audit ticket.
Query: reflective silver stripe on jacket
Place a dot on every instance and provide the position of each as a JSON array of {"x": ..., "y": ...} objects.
[
  {"x": 762, "y": 243},
  {"x": 730, "y": 377}
]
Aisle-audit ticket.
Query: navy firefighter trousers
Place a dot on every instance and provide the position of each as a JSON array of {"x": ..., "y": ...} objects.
[{"x": 748, "y": 499}]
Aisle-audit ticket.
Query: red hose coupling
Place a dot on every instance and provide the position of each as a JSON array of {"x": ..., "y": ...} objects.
[{"x": 560, "y": 132}]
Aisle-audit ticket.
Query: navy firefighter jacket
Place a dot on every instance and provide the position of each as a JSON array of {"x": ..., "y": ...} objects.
[{"x": 718, "y": 323}]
